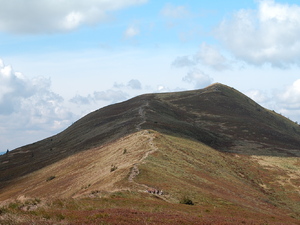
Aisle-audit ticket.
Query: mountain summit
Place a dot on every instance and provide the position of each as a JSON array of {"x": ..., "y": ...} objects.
[
  {"x": 200, "y": 140},
  {"x": 218, "y": 116}
]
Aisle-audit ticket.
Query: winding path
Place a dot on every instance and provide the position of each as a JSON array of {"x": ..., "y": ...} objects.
[
  {"x": 142, "y": 115},
  {"x": 135, "y": 170}
]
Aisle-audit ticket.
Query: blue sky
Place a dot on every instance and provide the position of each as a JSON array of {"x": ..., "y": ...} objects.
[{"x": 60, "y": 61}]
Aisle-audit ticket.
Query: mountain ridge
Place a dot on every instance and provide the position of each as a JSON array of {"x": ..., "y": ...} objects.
[
  {"x": 218, "y": 116},
  {"x": 215, "y": 148}
]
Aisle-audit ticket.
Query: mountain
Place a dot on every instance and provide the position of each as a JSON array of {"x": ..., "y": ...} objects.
[{"x": 214, "y": 148}]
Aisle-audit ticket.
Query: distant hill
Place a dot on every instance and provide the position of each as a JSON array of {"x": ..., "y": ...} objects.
[{"x": 213, "y": 148}]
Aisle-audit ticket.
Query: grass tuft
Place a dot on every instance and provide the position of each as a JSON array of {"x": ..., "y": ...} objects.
[
  {"x": 113, "y": 168},
  {"x": 50, "y": 178}
]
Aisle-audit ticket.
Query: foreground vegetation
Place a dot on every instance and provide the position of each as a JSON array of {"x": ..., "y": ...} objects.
[
  {"x": 200, "y": 186},
  {"x": 128, "y": 208}
]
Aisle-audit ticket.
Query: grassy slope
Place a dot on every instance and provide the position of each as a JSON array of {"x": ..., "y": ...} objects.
[
  {"x": 225, "y": 188},
  {"x": 96, "y": 129},
  {"x": 229, "y": 121},
  {"x": 85, "y": 172},
  {"x": 187, "y": 168},
  {"x": 178, "y": 155},
  {"x": 218, "y": 116}
]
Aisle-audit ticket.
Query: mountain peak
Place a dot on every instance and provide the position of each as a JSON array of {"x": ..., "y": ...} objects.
[
  {"x": 156, "y": 142},
  {"x": 218, "y": 116},
  {"x": 217, "y": 85}
]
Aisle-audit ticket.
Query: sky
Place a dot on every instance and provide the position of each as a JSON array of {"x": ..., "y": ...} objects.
[{"x": 60, "y": 60}]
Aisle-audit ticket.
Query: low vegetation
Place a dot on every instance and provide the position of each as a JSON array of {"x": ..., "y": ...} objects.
[
  {"x": 200, "y": 186},
  {"x": 211, "y": 156},
  {"x": 128, "y": 208},
  {"x": 50, "y": 178},
  {"x": 113, "y": 168},
  {"x": 186, "y": 200}
]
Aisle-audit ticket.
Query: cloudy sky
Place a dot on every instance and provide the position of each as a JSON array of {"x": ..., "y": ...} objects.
[{"x": 60, "y": 60}]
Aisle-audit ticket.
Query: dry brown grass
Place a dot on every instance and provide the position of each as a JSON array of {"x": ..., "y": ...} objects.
[
  {"x": 186, "y": 144},
  {"x": 85, "y": 172},
  {"x": 225, "y": 188}
]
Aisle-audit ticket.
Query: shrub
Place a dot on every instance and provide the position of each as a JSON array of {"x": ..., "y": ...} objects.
[
  {"x": 14, "y": 205},
  {"x": 3, "y": 210},
  {"x": 113, "y": 168},
  {"x": 50, "y": 178},
  {"x": 60, "y": 217},
  {"x": 186, "y": 200},
  {"x": 46, "y": 216}
]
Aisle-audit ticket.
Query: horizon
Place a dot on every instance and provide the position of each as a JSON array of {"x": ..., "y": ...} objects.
[{"x": 59, "y": 62}]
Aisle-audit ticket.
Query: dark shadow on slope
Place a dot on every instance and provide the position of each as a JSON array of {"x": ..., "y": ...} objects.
[{"x": 218, "y": 116}]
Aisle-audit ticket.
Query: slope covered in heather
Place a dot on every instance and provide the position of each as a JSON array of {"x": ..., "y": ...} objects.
[{"x": 215, "y": 148}]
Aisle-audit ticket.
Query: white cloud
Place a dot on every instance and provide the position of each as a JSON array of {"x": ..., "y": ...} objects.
[
  {"x": 269, "y": 34},
  {"x": 290, "y": 97},
  {"x": 81, "y": 100},
  {"x": 134, "y": 84},
  {"x": 207, "y": 55},
  {"x": 198, "y": 78},
  {"x": 210, "y": 56},
  {"x": 13, "y": 89},
  {"x": 27, "y": 107},
  {"x": 183, "y": 61},
  {"x": 73, "y": 20},
  {"x": 118, "y": 85},
  {"x": 162, "y": 88},
  {"x": 49, "y": 16},
  {"x": 131, "y": 32},
  {"x": 258, "y": 96},
  {"x": 172, "y": 11},
  {"x": 285, "y": 101},
  {"x": 110, "y": 95}
]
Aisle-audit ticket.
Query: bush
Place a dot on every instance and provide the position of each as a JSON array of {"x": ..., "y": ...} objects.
[
  {"x": 50, "y": 178},
  {"x": 186, "y": 200},
  {"x": 60, "y": 217},
  {"x": 14, "y": 205},
  {"x": 113, "y": 168}
]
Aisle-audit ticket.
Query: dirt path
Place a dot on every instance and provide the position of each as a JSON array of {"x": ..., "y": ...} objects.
[
  {"x": 135, "y": 170},
  {"x": 142, "y": 115},
  {"x": 152, "y": 147}
]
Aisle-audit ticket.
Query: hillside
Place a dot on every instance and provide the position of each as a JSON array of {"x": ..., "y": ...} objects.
[
  {"x": 236, "y": 161},
  {"x": 218, "y": 116}
]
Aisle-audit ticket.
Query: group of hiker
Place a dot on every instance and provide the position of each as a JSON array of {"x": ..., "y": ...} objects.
[{"x": 154, "y": 191}]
